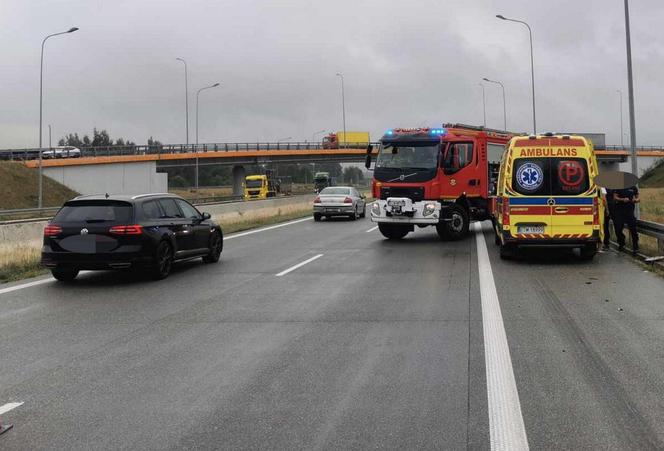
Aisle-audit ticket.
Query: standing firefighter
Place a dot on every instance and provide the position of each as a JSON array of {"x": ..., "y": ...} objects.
[{"x": 625, "y": 200}]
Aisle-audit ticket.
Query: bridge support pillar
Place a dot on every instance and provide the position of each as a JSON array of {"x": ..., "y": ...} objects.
[{"x": 239, "y": 175}]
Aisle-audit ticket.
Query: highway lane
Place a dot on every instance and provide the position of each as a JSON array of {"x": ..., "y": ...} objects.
[
  {"x": 373, "y": 344},
  {"x": 587, "y": 343}
]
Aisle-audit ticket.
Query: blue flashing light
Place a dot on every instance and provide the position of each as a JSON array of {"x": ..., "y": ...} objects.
[
  {"x": 389, "y": 132},
  {"x": 438, "y": 131}
]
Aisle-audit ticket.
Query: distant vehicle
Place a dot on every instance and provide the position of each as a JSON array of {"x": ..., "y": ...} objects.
[
  {"x": 62, "y": 152},
  {"x": 145, "y": 232},
  {"x": 339, "y": 201},
  {"x": 260, "y": 186},
  {"x": 323, "y": 180},
  {"x": 285, "y": 185},
  {"x": 349, "y": 139},
  {"x": 547, "y": 195}
]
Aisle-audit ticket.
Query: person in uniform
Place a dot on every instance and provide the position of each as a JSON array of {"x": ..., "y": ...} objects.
[
  {"x": 625, "y": 201},
  {"x": 609, "y": 204}
]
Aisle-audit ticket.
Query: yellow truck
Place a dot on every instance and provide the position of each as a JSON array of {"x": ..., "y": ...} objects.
[
  {"x": 259, "y": 187},
  {"x": 349, "y": 139}
]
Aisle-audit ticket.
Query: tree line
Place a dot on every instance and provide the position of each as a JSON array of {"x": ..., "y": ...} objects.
[{"x": 100, "y": 138}]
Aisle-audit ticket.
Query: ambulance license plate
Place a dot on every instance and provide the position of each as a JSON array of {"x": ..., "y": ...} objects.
[{"x": 530, "y": 229}]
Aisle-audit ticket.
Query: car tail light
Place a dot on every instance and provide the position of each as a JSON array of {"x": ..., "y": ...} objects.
[
  {"x": 595, "y": 211},
  {"x": 317, "y": 200},
  {"x": 126, "y": 230},
  {"x": 52, "y": 230},
  {"x": 348, "y": 200},
  {"x": 506, "y": 211}
]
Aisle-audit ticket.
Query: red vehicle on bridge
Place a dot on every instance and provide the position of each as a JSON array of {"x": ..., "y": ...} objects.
[{"x": 442, "y": 177}]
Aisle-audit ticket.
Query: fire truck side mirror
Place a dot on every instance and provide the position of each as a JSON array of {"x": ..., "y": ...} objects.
[{"x": 367, "y": 162}]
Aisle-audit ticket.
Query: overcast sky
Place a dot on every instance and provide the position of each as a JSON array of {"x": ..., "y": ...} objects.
[{"x": 406, "y": 63}]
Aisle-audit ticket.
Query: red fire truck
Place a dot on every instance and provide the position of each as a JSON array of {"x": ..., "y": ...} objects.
[{"x": 442, "y": 177}]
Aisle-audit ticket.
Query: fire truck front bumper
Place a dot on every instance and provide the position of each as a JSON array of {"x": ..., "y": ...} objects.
[{"x": 402, "y": 210}]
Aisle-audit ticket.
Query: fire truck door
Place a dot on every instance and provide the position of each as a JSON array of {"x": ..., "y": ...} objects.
[{"x": 460, "y": 167}]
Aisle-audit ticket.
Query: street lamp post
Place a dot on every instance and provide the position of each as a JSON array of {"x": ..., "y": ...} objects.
[
  {"x": 532, "y": 65},
  {"x": 49, "y": 137},
  {"x": 197, "y": 94},
  {"x": 186, "y": 97},
  {"x": 41, "y": 104},
  {"x": 630, "y": 88},
  {"x": 343, "y": 106},
  {"x": 483, "y": 104},
  {"x": 504, "y": 107},
  {"x": 622, "y": 144}
]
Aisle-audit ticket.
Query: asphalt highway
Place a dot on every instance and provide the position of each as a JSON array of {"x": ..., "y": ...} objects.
[{"x": 327, "y": 336}]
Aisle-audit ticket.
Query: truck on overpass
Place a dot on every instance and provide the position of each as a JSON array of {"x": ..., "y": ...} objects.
[{"x": 348, "y": 139}]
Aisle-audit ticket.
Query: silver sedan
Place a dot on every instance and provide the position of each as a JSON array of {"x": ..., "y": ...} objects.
[{"x": 339, "y": 201}]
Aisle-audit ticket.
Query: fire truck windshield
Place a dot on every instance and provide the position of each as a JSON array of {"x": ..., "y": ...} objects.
[{"x": 411, "y": 156}]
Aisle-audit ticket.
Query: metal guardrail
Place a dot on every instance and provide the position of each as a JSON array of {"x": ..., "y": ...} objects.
[
  {"x": 652, "y": 229},
  {"x": 50, "y": 211},
  {"x": 107, "y": 151}
]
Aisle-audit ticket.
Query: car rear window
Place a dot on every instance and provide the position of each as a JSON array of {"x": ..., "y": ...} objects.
[
  {"x": 345, "y": 191},
  {"x": 92, "y": 211},
  {"x": 550, "y": 176}
]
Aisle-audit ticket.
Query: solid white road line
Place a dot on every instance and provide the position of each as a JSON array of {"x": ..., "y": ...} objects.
[
  {"x": 25, "y": 285},
  {"x": 265, "y": 229},
  {"x": 372, "y": 229},
  {"x": 293, "y": 268},
  {"x": 9, "y": 406},
  {"x": 506, "y": 428}
]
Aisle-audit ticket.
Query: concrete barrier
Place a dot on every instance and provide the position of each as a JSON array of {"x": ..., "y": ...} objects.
[{"x": 30, "y": 231}]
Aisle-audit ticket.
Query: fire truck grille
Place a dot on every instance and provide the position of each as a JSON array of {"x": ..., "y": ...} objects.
[{"x": 416, "y": 194}]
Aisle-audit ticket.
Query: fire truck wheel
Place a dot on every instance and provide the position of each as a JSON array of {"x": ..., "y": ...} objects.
[
  {"x": 393, "y": 231},
  {"x": 457, "y": 227}
]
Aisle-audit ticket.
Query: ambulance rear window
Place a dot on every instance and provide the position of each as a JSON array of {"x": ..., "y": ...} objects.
[{"x": 550, "y": 176}]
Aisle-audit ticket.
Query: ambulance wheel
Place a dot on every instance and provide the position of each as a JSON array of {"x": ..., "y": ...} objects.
[
  {"x": 588, "y": 252},
  {"x": 458, "y": 225},
  {"x": 508, "y": 251},
  {"x": 393, "y": 231}
]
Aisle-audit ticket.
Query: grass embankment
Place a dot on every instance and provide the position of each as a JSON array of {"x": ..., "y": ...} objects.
[
  {"x": 19, "y": 188},
  {"x": 21, "y": 261},
  {"x": 654, "y": 176}
]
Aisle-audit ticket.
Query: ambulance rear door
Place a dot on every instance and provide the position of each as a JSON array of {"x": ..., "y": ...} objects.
[{"x": 572, "y": 212}]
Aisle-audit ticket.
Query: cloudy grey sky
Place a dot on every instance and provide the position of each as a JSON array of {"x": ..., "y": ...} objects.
[{"x": 405, "y": 64}]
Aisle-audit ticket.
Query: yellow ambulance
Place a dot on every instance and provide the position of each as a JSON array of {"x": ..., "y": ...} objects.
[{"x": 546, "y": 195}]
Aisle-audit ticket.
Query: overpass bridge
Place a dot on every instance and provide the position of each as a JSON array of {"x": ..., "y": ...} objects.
[{"x": 137, "y": 168}]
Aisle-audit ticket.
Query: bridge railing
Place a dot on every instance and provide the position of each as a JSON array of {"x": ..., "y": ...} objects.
[
  {"x": 628, "y": 149},
  {"x": 107, "y": 151}
]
